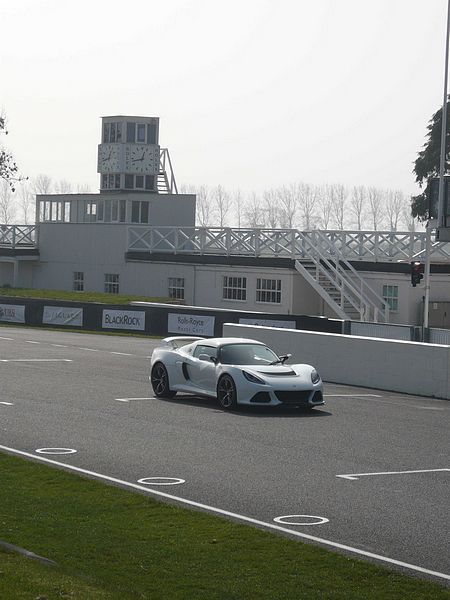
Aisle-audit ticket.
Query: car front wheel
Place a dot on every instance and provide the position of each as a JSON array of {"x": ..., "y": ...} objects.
[
  {"x": 160, "y": 382},
  {"x": 226, "y": 393}
]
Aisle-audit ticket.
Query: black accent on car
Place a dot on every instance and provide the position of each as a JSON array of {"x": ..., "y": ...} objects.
[
  {"x": 299, "y": 397},
  {"x": 318, "y": 396},
  {"x": 185, "y": 371},
  {"x": 288, "y": 374},
  {"x": 261, "y": 397}
]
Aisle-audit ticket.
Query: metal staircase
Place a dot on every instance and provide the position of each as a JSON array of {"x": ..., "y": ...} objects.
[
  {"x": 337, "y": 281},
  {"x": 165, "y": 180}
]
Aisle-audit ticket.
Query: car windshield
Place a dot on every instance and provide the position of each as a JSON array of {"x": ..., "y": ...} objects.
[{"x": 247, "y": 354}]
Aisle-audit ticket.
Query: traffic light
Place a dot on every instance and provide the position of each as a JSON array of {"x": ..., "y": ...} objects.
[{"x": 417, "y": 269}]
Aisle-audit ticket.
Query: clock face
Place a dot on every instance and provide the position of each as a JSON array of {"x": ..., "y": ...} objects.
[
  {"x": 142, "y": 159},
  {"x": 108, "y": 158}
]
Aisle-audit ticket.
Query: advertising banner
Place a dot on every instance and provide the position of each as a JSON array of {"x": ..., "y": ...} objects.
[
  {"x": 192, "y": 324},
  {"x": 123, "y": 319},
  {"x": 269, "y": 323},
  {"x": 12, "y": 313},
  {"x": 63, "y": 315}
]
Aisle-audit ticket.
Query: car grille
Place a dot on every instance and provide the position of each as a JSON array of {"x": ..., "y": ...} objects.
[{"x": 293, "y": 397}]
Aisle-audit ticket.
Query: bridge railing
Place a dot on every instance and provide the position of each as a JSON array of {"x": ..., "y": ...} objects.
[
  {"x": 371, "y": 246},
  {"x": 18, "y": 236}
]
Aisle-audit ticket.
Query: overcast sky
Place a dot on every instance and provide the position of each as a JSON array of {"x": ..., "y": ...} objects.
[{"x": 251, "y": 94}]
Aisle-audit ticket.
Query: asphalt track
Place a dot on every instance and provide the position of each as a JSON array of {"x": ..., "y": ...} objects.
[{"x": 368, "y": 473}]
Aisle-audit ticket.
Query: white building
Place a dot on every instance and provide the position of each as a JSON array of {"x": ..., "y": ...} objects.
[{"x": 138, "y": 236}]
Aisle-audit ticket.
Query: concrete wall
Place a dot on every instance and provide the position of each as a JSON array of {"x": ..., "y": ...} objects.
[{"x": 407, "y": 367}]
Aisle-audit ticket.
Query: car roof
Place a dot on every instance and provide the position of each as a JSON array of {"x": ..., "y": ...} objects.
[{"x": 217, "y": 342}]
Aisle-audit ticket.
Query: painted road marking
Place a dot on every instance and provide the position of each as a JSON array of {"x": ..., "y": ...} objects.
[
  {"x": 379, "y": 399},
  {"x": 226, "y": 513},
  {"x": 55, "y": 451},
  {"x": 352, "y": 396},
  {"x": 354, "y": 476},
  {"x": 128, "y": 399},
  {"x": 161, "y": 480},
  {"x": 35, "y": 360},
  {"x": 31, "y": 342},
  {"x": 58, "y": 346},
  {"x": 300, "y": 520},
  {"x": 89, "y": 349},
  {"x": 7, "y": 403},
  {"x": 122, "y": 353},
  {"x": 5, "y": 338}
]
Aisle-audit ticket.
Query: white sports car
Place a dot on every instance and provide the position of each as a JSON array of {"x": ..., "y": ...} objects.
[{"x": 233, "y": 370}]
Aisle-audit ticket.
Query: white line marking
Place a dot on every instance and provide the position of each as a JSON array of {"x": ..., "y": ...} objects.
[
  {"x": 56, "y": 451},
  {"x": 354, "y": 476},
  {"x": 161, "y": 480},
  {"x": 128, "y": 399},
  {"x": 227, "y": 513},
  {"x": 5, "y": 338},
  {"x": 36, "y": 360},
  {"x": 31, "y": 342},
  {"x": 122, "y": 353},
  {"x": 7, "y": 403},
  {"x": 89, "y": 349},
  {"x": 58, "y": 346},
  {"x": 352, "y": 396},
  {"x": 319, "y": 520}
]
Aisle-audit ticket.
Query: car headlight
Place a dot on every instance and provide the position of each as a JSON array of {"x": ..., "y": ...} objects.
[
  {"x": 315, "y": 377},
  {"x": 253, "y": 378}
]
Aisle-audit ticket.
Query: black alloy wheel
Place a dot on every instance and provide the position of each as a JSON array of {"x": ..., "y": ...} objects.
[
  {"x": 226, "y": 393},
  {"x": 160, "y": 382}
]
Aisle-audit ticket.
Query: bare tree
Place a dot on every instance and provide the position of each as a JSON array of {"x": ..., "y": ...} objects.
[
  {"x": 222, "y": 201},
  {"x": 338, "y": 201},
  {"x": 394, "y": 203},
  {"x": 7, "y": 203},
  {"x": 27, "y": 203},
  {"x": 253, "y": 212},
  {"x": 358, "y": 201},
  {"x": 307, "y": 204},
  {"x": 41, "y": 184},
  {"x": 238, "y": 202},
  {"x": 325, "y": 206},
  {"x": 271, "y": 209},
  {"x": 407, "y": 217},
  {"x": 62, "y": 187},
  {"x": 84, "y": 188},
  {"x": 288, "y": 197},
  {"x": 204, "y": 208},
  {"x": 375, "y": 200}
]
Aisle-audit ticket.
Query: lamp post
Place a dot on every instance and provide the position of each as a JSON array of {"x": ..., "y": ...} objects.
[{"x": 441, "y": 216}]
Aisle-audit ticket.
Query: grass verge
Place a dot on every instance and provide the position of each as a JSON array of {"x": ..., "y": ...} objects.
[
  {"x": 78, "y": 296},
  {"x": 112, "y": 543}
]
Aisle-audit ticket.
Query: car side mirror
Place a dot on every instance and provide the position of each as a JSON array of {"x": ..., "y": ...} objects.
[{"x": 284, "y": 358}]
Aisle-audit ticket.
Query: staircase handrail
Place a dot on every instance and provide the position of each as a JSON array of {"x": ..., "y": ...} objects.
[{"x": 382, "y": 302}]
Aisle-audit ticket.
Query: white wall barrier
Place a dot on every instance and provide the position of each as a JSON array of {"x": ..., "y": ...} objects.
[{"x": 394, "y": 365}]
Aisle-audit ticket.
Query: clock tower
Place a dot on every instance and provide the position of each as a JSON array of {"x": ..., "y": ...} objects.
[{"x": 129, "y": 154}]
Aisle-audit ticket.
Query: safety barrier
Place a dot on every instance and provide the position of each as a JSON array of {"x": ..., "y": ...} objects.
[{"x": 394, "y": 365}]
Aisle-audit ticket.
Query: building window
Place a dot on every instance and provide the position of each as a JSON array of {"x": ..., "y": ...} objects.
[
  {"x": 268, "y": 290},
  {"x": 112, "y": 132},
  {"x": 139, "y": 212},
  {"x": 118, "y": 211},
  {"x": 78, "y": 281},
  {"x": 111, "y": 283},
  {"x": 138, "y": 182},
  {"x": 176, "y": 288},
  {"x": 234, "y": 288},
  {"x": 142, "y": 133},
  {"x": 91, "y": 208},
  {"x": 111, "y": 181},
  {"x": 390, "y": 296}
]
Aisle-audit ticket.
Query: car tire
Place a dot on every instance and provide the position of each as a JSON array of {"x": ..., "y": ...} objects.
[
  {"x": 160, "y": 382},
  {"x": 226, "y": 393}
]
